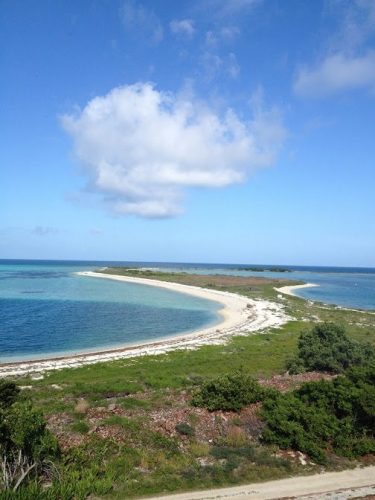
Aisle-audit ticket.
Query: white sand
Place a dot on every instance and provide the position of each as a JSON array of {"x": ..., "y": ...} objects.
[
  {"x": 239, "y": 316},
  {"x": 290, "y": 290}
]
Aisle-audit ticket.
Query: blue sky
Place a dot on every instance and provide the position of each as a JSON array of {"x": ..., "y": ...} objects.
[{"x": 203, "y": 131}]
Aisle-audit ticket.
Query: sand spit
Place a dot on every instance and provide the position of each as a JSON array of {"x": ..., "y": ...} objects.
[
  {"x": 290, "y": 290},
  {"x": 240, "y": 315}
]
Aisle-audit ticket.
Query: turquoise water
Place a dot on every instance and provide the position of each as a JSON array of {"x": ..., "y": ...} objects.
[{"x": 46, "y": 309}]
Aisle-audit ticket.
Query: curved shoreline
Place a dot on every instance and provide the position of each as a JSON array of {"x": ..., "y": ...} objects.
[
  {"x": 240, "y": 315},
  {"x": 290, "y": 290}
]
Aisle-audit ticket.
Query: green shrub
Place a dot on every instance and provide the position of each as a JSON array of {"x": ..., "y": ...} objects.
[
  {"x": 229, "y": 392},
  {"x": 185, "y": 429},
  {"x": 326, "y": 347}
]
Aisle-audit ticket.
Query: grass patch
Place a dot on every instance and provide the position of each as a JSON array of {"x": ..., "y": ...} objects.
[
  {"x": 81, "y": 427},
  {"x": 130, "y": 403}
]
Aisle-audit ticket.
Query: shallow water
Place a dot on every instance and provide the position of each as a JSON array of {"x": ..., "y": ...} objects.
[{"x": 47, "y": 309}]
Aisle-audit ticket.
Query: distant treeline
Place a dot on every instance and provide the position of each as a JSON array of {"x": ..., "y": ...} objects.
[{"x": 265, "y": 269}]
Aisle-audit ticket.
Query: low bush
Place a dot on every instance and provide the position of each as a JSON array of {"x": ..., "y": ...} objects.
[
  {"x": 229, "y": 392},
  {"x": 185, "y": 429}
]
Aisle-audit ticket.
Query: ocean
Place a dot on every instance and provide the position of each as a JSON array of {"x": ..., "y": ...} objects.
[
  {"x": 47, "y": 310},
  {"x": 350, "y": 287}
]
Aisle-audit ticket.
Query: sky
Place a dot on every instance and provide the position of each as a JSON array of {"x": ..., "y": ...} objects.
[{"x": 223, "y": 131}]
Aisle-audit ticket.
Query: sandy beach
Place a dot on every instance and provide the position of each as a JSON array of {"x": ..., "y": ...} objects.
[
  {"x": 239, "y": 314},
  {"x": 290, "y": 290}
]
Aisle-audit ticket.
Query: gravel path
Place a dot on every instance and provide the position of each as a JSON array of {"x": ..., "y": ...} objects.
[{"x": 355, "y": 483}]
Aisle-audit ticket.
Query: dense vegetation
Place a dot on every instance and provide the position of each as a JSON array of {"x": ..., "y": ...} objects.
[
  {"x": 326, "y": 347},
  {"x": 26, "y": 446},
  {"x": 325, "y": 416},
  {"x": 336, "y": 415}
]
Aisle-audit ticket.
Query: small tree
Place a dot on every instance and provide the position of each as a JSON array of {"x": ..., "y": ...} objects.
[
  {"x": 8, "y": 393},
  {"x": 326, "y": 347},
  {"x": 25, "y": 442}
]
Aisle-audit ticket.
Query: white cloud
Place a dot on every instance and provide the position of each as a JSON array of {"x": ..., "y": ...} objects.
[
  {"x": 356, "y": 24},
  {"x": 211, "y": 39},
  {"x": 225, "y": 34},
  {"x": 335, "y": 73},
  {"x": 233, "y": 66},
  {"x": 138, "y": 19},
  {"x": 183, "y": 27},
  {"x": 214, "y": 65},
  {"x": 229, "y": 32},
  {"x": 211, "y": 64},
  {"x": 142, "y": 148},
  {"x": 349, "y": 61}
]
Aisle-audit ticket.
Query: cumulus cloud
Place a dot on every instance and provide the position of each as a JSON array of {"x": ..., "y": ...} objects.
[
  {"x": 138, "y": 19},
  {"x": 142, "y": 148},
  {"x": 183, "y": 27},
  {"x": 336, "y": 72}
]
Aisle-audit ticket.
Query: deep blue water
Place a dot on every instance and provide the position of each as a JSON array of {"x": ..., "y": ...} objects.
[{"x": 47, "y": 309}]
